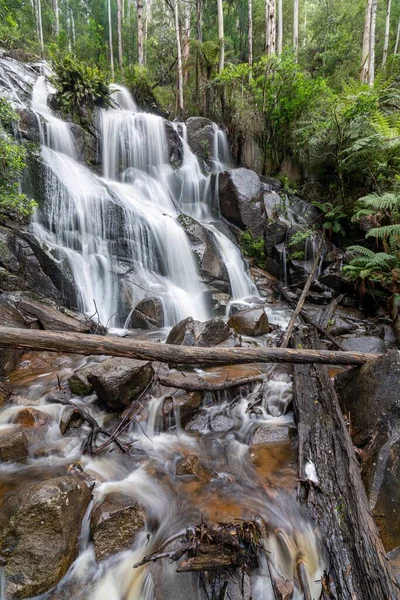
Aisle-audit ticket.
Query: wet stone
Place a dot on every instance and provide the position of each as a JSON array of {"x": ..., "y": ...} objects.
[
  {"x": 13, "y": 446},
  {"x": 31, "y": 417},
  {"x": 114, "y": 524},
  {"x": 271, "y": 433},
  {"x": 5, "y": 393},
  {"x": 196, "y": 333},
  {"x": 79, "y": 384},
  {"x": 70, "y": 419},
  {"x": 252, "y": 322},
  {"x": 148, "y": 314}
]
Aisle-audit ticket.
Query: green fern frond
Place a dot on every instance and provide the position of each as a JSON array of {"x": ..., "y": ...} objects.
[
  {"x": 362, "y": 250},
  {"x": 385, "y": 231},
  {"x": 388, "y": 201}
]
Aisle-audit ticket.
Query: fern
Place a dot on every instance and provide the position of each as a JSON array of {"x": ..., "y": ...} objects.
[
  {"x": 362, "y": 250},
  {"x": 389, "y": 201},
  {"x": 391, "y": 231}
]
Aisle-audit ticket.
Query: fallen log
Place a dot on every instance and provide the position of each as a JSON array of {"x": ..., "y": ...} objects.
[
  {"x": 80, "y": 343},
  {"x": 190, "y": 382},
  {"x": 336, "y": 500}
]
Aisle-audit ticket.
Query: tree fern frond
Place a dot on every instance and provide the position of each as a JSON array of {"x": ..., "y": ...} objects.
[
  {"x": 362, "y": 250},
  {"x": 388, "y": 201},
  {"x": 385, "y": 231}
]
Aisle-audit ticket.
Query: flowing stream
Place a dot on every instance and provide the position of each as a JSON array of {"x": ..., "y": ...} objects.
[{"x": 119, "y": 233}]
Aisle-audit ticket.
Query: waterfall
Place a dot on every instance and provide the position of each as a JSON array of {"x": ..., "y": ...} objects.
[{"x": 119, "y": 231}]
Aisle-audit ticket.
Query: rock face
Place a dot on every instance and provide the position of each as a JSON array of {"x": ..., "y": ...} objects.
[
  {"x": 253, "y": 322},
  {"x": 241, "y": 200},
  {"x": 10, "y": 317},
  {"x": 119, "y": 381},
  {"x": 211, "y": 264},
  {"x": 114, "y": 524},
  {"x": 195, "y": 333},
  {"x": 39, "y": 533},
  {"x": 174, "y": 145},
  {"x": 79, "y": 383},
  {"x": 148, "y": 314},
  {"x": 201, "y": 133},
  {"x": 370, "y": 396},
  {"x": 51, "y": 316},
  {"x": 13, "y": 445}
]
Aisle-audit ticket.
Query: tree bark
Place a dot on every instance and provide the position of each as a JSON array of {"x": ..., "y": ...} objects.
[
  {"x": 191, "y": 382},
  {"x": 296, "y": 28},
  {"x": 56, "y": 18},
  {"x": 250, "y": 9},
  {"x": 119, "y": 34},
  {"x": 140, "y": 26},
  {"x": 199, "y": 28},
  {"x": 357, "y": 567},
  {"x": 80, "y": 343},
  {"x": 179, "y": 58},
  {"x": 387, "y": 33},
  {"x": 270, "y": 27},
  {"x": 110, "y": 39},
  {"x": 280, "y": 27},
  {"x": 366, "y": 43},
  {"x": 40, "y": 25},
  {"x": 221, "y": 36},
  {"x": 396, "y": 47},
  {"x": 186, "y": 43},
  {"x": 371, "y": 70}
]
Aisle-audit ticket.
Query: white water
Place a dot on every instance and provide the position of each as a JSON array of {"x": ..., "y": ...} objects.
[{"x": 120, "y": 233}]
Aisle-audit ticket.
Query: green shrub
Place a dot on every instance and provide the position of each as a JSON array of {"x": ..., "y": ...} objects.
[
  {"x": 253, "y": 248},
  {"x": 138, "y": 83},
  {"x": 79, "y": 87}
]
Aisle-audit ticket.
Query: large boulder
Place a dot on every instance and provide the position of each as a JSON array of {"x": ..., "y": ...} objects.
[
  {"x": 370, "y": 397},
  {"x": 13, "y": 445},
  {"x": 51, "y": 316},
  {"x": 197, "y": 333},
  {"x": 10, "y": 316},
  {"x": 241, "y": 200},
  {"x": 114, "y": 524},
  {"x": 368, "y": 343},
  {"x": 79, "y": 383},
  {"x": 147, "y": 314},
  {"x": 119, "y": 381},
  {"x": 252, "y": 322},
  {"x": 86, "y": 145},
  {"x": 39, "y": 533},
  {"x": 200, "y": 134},
  {"x": 174, "y": 145},
  {"x": 211, "y": 263}
]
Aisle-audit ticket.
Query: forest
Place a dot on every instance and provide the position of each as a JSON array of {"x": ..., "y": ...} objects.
[{"x": 199, "y": 299}]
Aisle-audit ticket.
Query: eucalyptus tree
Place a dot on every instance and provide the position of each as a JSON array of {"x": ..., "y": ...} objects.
[
  {"x": 387, "y": 33},
  {"x": 221, "y": 40}
]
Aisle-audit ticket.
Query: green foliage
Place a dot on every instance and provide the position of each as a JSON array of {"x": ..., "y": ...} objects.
[
  {"x": 253, "y": 248},
  {"x": 12, "y": 163},
  {"x": 138, "y": 82},
  {"x": 333, "y": 217},
  {"x": 79, "y": 86}
]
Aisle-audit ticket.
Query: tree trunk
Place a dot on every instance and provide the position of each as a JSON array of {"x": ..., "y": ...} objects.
[
  {"x": 146, "y": 26},
  {"x": 270, "y": 27},
  {"x": 119, "y": 35},
  {"x": 221, "y": 36},
  {"x": 371, "y": 69},
  {"x": 356, "y": 564},
  {"x": 366, "y": 43},
  {"x": 296, "y": 28},
  {"x": 80, "y": 343},
  {"x": 110, "y": 39},
  {"x": 179, "y": 59},
  {"x": 396, "y": 47},
  {"x": 186, "y": 43},
  {"x": 140, "y": 26},
  {"x": 199, "y": 28},
  {"x": 56, "y": 18},
  {"x": 387, "y": 33},
  {"x": 250, "y": 8},
  {"x": 280, "y": 27},
  {"x": 40, "y": 25}
]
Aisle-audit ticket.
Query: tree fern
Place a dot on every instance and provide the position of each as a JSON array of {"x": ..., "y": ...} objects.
[{"x": 392, "y": 231}]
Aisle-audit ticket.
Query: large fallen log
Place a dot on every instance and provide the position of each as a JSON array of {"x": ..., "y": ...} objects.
[
  {"x": 335, "y": 498},
  {"x": 80, "y": 343}
]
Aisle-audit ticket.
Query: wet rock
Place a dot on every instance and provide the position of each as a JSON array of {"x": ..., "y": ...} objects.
[
  {"x": 39, "y": 532},
  {"x": 147, "y": 314},
  {"x": 31, "y": 417},
  {"x": 114, "y": 524},
  {"x": 5, "y": 393},
  {"x": 70, "y": 419},
  {"x": 211, "y": 262},
  {"x": 196, "y": 333},
  {"x": 284, "y": 589},
  {"x": 13, "y": 445},
  {"x": 79, "y": 383},
  {"x": 200, "y": 132},
  {"x": 276, "y": 232},
  {"x": 28, "y": 125},
  {"x": 241, "y": 200},
  {"x": 10, "y": 316},
  {"x": 268, "y": 433},
  {"x": 188, "y": 465},
  {"x": 273, "y": 267},
  {"x": 174, "y": 145},
  {"x": 119, "y": 381},
  {"x": 370, "y": 344},
  {"x": 86, "y": 145},
  {"x": 51, "y": 316},
  {"x": 334, "y": 279},
  {"x": 270, "y": 184},
  {"x": 220, "y": 303},
  {"x": 188, "y": 403},
  {"x": 252, "y": 322}
]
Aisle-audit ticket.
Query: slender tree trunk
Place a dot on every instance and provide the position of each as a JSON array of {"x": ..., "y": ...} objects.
[
  {"x": 366, "y": 44},
  {"x": 371, "y": 70},
  {"x": 73, "y": 33},
  {"x": 221, "y": 36},
  {"x": 119, "y": 35},
  {"x": 110, "y": 39},
  {"x": 396, "y": 47},
  {"x": 56, "y": 18},
  {"x": 199, "y": 28},
  {"x": 387, "y": 33},
  {"x": 186, "y": 42},
  {"x": 140, "y": 24},
  {"x": 270, "y": 27},
  {"x": 280, "y": 27},
  {"x": 296, "y": 28},
  {"x": 40, "y": 25},
  {"x": 250, "y": 8},
  {"x": 179, "y": 56}
]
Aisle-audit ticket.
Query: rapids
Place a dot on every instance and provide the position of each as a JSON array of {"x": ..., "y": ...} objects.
[{"x": 123, "y": 221}]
